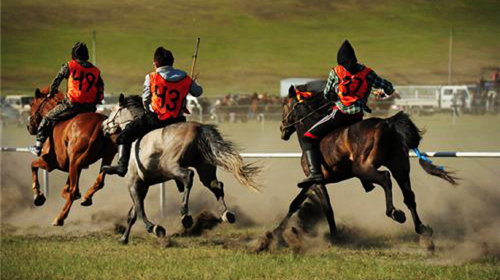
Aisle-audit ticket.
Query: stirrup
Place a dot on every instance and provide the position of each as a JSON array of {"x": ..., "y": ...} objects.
[
  {"x": 311, "y": 180},
  {"x": 118, "y": 170},
  {"x": 35, "y": 150}
]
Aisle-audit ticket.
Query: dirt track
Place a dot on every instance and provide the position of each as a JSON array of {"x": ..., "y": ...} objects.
[{"x": 466, "y": 215}]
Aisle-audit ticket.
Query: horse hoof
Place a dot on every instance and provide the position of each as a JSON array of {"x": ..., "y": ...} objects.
[
  {"x": 39, "y": 200},
  {"x": 187, "y": 221},
  {"x": 398, "y": 216},
  {"x": 159, "y": 231},
  {"x": 229, "y": 217},
  {"x": 425, "y": 230},
  {"x": 58, "y": 223},
  {"x": 86, "y": 202},
  {"x": 123, "y": 241}
]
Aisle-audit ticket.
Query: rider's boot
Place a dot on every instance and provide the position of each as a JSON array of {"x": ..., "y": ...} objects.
[
  {"x": 313, "y": 158},
  {"x": 121, "y": 168}
]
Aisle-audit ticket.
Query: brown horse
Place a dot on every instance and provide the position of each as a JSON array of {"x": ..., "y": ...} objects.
[
  {"x": 359, "y": 151},
  {"x": 74, "y": 145}
]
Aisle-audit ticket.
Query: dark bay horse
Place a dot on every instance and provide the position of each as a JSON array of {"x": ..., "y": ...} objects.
[
  {"x": 167, "y": 153},
  {"x": 74, "y": 145},
  {"x": 359, "y": 151}
]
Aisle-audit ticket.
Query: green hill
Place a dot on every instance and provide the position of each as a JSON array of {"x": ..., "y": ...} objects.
[{"x": 248, "y": 45}]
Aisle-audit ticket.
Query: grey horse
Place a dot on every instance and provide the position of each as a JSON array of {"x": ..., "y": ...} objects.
[{"x": 167, "y": 153}]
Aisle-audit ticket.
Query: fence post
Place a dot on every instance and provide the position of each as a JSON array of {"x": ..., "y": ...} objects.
[
  {"x": 46, "y": 183},
  {"x": 162, "y": 200}
]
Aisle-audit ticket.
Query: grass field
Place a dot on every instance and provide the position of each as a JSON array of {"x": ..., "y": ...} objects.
[
  {"x": 224, "y": 254},
  {"x": 249, "y": 46}
]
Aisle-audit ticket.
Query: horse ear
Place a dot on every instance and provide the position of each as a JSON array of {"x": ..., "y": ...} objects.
[
  {"x": 38, "y": 93},
  {"x": 291, "y": 91},
  {"x": 121, "y": 100}
]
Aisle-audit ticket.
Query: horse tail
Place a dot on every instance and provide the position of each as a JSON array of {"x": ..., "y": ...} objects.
[
  {"x": 409, "y": 136},
  {"x": 218, "y": 151}
]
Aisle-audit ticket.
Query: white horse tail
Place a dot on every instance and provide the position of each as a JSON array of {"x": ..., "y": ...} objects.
[{"x": 220, "y": 152}]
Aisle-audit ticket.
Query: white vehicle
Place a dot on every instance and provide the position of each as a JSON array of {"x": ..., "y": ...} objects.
[
  {"x": 19, "y": 102},
  {"x": 419, "y": 100}
]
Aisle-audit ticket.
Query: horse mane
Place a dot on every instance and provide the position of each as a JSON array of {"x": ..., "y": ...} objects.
[{"x": 134, "y": 104}]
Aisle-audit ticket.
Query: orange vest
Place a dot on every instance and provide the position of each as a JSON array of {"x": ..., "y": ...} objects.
[
  {"x": 168, "y": 97},
  {"x": 82, "y": 83},
  {"x": 352, "y": 87}
]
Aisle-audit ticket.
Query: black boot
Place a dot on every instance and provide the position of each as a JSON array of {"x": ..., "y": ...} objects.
[
  {"x": 123, "y": 157},
  {"x": 313, "y": 158}
]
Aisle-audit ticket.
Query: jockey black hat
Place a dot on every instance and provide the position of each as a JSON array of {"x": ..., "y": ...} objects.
[
  {"x": 80, "y": 51},
  {"x": 346, "y": 56},
  {"x": 163, "y": 57}
]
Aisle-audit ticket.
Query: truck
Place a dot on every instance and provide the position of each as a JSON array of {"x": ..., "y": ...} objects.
[
  {"x": 16, "y": 107},
  {"x": 426, "y": 100}
]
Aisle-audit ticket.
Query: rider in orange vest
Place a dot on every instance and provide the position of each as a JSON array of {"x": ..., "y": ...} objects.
[
  {"x": 164, "y": 98},
  {"x": 348, "y": 86},
  {"x": 85, "y": 91}
]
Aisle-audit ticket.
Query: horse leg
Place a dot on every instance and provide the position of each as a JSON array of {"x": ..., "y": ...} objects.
[
  {"x": 409, "y": 199},
  {"x": 38, "y": 198},
  {"x": 294, "y": 207},
  {"x": 324, "y": 198},
  {"x": 74, "y": 177},
  {"x": 383, "y": 178},
  {"x": 99, "y": 183},
  {"x": 208, "y": 177},
  {"x": 138, "y": 191},
  {"x": 184, "y": 181},
  {"x": 132, "y": 217}
]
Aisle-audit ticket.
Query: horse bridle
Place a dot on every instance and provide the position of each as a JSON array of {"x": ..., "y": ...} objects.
[
  {"x": 304, "y": 117},
  {"x": 40, "y": 108}
]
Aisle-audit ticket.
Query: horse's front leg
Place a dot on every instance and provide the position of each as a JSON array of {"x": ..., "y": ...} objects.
[
  {"x": 39, "y": 198},
  {"x": 324, "y": 198},
  {"x": 71, "y": 194},
  {"x": 138, "y": 191}
]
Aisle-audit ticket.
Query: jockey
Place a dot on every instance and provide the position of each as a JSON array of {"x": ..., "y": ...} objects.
[
  {"x": 164, "y": 98},
  {"x": 85, "y": 90},
  {"x": 349, "y": 85}
]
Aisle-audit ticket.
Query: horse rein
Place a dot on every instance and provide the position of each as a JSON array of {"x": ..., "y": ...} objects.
[{"x": 304, "y": 117}]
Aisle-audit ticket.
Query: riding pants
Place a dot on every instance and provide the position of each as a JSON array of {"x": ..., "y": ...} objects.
[
  {"x": 141, "y": 126},
  {"x": 336, "y": 119},
  {"x": 63, "y": 111}
]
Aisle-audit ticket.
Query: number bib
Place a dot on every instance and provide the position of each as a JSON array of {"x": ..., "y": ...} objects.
[
  {"x": 168, "y": 97},
  {"x": 82, "y": 83},
  {"x": 352, "y": 87}
]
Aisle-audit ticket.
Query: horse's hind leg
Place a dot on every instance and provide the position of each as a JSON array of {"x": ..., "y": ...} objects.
[
  {"x": 207, "y": 174},
  {"x": 99, "y": 183},
  {"x": 138, "y": 191},
  {"x": 184, "y": 181},
  {"x": 39, "y": 198},
  {"x": 401, "y": 173},
  {"x": 132, "y": 217},
  {"x": 74, "y": 177},
  {"x": 383, "y": 178}
]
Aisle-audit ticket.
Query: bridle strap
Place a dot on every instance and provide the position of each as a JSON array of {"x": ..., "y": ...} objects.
[{"x": 304, "y": 117}]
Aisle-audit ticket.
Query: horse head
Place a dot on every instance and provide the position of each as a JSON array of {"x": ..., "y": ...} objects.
[
  {"x": 128, "y": 109},
  {"x": 303, "y": 108},
  {"x": 40, "y": 106},
  {"x": 287, "y": 126}
]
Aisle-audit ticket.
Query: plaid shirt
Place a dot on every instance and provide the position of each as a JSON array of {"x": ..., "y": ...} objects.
[{"x": 373, "y": 80}]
